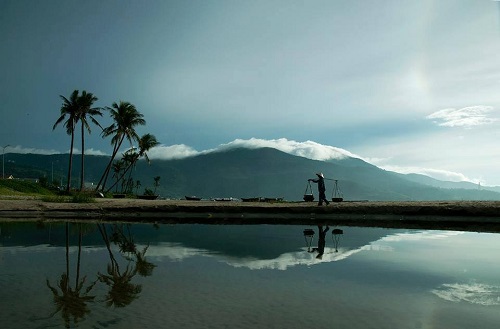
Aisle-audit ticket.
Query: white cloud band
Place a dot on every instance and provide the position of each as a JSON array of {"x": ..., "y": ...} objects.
[{"x": 465, "y": 117}]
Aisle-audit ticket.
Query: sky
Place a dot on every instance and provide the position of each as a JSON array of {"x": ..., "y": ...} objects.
[{"x": 409, "y": 86}]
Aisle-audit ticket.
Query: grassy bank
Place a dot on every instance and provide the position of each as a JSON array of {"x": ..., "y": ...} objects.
[
  {"x": 14, "y": 187},
  {"x": 17, "y": 188}
]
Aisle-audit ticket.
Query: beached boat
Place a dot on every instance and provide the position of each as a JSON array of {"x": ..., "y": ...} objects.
[
  {"x": 147, "y": 197},
  {"x": 271, "y": 200},
  {"x": 192, "y": 198},
  {"x": 222, "y": 199},
  {"x": 251, "y": 199}
]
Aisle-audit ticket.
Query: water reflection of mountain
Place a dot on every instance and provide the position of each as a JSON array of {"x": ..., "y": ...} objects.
[{"x": 234, "y": 241}]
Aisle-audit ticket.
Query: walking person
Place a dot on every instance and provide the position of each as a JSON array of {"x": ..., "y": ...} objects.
[{"x": 321, "y": 188}]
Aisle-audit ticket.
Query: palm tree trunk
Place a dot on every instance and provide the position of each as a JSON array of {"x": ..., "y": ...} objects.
[
  {"x": 70, "y": 166},
  {"x": 104, "y": 177},
  {"x": 121, "y": 177},
  {"x": 67, "y": 250},
  {"x": 102, "y": 181},
  {"x": 79, "y": 255},
  {"x": 102, "y": 230},
  {"x": 115, "y": 152},
  {"x": 82, "y": 174}
]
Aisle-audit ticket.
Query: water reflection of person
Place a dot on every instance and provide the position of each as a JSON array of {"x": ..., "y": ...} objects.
[{"x": 321, "y": 241}]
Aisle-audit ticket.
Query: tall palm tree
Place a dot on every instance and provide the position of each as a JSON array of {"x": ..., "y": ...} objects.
[
  {"x": 125, "y": 119},
  {"x": 86, "y": 100},
  {"x": 146, "y": 142},
  {"x": 70, "y": 109},
  {"x": 157, "y": 183}
]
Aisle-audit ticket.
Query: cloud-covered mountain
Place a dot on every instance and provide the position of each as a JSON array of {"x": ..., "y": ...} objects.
[
  {"x": 307, "y": 149},
  {"x": 241, "y": 172}
]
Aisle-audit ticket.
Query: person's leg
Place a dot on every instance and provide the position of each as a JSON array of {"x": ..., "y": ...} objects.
[{"x": 322, "y": 197}]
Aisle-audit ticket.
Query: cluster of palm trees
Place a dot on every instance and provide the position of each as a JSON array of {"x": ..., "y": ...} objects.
[{"x": 79, "y": 109}]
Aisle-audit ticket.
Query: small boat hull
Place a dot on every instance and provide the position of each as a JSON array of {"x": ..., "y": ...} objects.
[
  {"x": 147, "y": 197},
  {"x": 250, "y": 199}
]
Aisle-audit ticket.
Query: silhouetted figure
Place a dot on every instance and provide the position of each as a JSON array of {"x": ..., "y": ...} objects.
[
  {"x": 321, "y": 188},
  {"x": 321, "y": 241}
]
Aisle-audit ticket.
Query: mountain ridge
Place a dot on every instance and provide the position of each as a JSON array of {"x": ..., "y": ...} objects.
[{"x": 259, "y": 172}]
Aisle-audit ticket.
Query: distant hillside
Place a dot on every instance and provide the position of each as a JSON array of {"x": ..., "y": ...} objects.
[
  {"x": 265, "y": 172},
  {"x": 426, "y": 180}
]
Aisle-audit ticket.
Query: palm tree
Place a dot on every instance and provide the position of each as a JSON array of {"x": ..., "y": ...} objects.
[
  {"x": 69, "y": 108},
  {"x": 117, "y": 169},
  {"x": 137, "y": 185},
  {"x": 86, "y": 100},
  {"x": 157, "y": 183},
  {"x": 125, "y": 119},
  {"x": 146, "y": 142}
]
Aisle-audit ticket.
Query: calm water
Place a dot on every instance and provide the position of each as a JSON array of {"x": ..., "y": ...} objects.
[{"x": 263, "y": 276}]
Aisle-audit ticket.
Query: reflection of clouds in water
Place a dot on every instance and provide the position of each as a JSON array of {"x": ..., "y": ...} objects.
[
  {"x": 418, "y": 236},
  {"x": 46, "y": 248},
  {"x": 290, "y": 259},
  {"x": 474, "y": 293},
  {"x": 176, "y": 251},
  {"x": 413, "y": 237},
  {"x": 282, "y": 262}
]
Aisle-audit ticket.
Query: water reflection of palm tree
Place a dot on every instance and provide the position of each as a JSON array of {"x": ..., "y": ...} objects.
[
  {"x": 144, "y": 268},
  {"x": 122, "y": 291},
  {"x": 72, "y": 302},
  {"x": 122, "y": 236},
  {"x": 321, "y": 241}
]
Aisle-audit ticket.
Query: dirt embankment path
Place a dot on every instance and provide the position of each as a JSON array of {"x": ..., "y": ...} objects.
[{"x": 461, "y": 215}]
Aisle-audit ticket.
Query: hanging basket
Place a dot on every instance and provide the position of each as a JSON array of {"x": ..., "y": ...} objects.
[
  {"x": 308, "y": 197},
  {"x": 308, "y": 194},
  {"x": 308, "y": 232},
  {"x": 337, "y": 193},
  {"x": 336, "y": 233}
]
